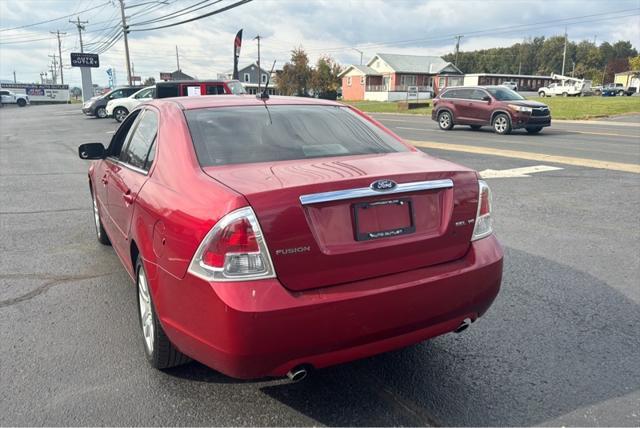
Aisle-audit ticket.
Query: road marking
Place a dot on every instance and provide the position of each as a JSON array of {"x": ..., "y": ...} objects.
[
  {"x": 599, "y": 122},
  {"x": 110, "y": 132},
  {"x": 541, "y": 157},
  {"x": 517, "y": 172},
  {"x": 417, "y": 129},
  {"x": 607, "y": 134}
]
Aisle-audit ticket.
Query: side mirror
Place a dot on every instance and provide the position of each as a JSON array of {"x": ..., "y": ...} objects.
[
  {"x": 91, "y": 151},
  {"x": 486, "y": 98}
]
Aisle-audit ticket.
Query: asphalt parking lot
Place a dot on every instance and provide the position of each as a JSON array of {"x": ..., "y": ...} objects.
[{"x": 559, "y": 346}]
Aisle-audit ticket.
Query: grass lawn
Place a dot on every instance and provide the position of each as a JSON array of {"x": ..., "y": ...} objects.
[{"x": 561, "y": 108}]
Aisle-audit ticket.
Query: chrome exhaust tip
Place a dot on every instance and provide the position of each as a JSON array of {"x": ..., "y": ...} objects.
[
  {"x": 463, "y": 326},
  {"x": 297, "y": 374}
]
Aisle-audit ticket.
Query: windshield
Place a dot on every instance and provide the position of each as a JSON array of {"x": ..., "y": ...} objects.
[
  {"x": 236, "y": 88},
  {"x": 505, "y": 94},
  {"x": 250, "y": 134}
]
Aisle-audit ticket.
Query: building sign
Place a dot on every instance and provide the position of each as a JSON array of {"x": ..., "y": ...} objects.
[
  {"x": 84, "y": 60},
  {"x": 412, "y": 91},
  {"x": 37, "y": 92},
  {"x": 165, "y": 76},
  {"x": 136, "y": 79}
]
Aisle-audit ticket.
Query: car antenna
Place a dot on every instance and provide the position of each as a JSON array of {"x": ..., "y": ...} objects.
[{"x": 264, "y": 95}]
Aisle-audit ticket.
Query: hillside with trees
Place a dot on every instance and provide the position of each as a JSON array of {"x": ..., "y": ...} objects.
[{"x": 543, "y": 56}]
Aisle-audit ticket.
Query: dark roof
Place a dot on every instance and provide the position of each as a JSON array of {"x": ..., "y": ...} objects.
[{"x": 179, "y": 75}]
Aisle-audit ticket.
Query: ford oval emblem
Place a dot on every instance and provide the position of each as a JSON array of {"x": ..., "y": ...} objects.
[{"x": 383, "y": 185}]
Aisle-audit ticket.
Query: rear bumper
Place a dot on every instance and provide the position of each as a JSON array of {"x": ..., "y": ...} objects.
[{"x": 259, "y": 328}]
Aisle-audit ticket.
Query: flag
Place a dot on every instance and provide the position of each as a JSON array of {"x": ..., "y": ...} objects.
[{"x": 236, "y": 53}]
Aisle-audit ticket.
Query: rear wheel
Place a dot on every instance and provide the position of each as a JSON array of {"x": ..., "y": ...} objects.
[
  {"x": 565, "y": 94},
  {"x": 100, "y": 233},
  {"x": 445, "y": 120},
  {"x": 101, "y": 112},
  {"x": 542, "y": 94},
  {"x": 502, "y": 124},
  {"x": 120, "y": 113},
  {"x": 158, "y": 349},
  {"x": 533, "y": 129},
  {"x": 475, "y": 127},
  {"x": 22, "y": 102},
  {"x": 598, "y": 92}
]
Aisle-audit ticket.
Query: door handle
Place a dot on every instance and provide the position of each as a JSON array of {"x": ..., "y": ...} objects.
[
  {"x": 104, "y": 179},
  {"x": 128, "y": 197}
]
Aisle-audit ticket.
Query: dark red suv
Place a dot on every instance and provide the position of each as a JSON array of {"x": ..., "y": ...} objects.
[{"x": 496, "y": 106}]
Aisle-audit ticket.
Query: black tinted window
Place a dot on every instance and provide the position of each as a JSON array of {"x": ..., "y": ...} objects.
[
  {"x": 215, "y": 90},
  {"x": 166, "y": 91},
  {"x": 478, "y": 94},
  {"x": 140, "y": 143},
  {"x": 465, "y": 93},
  {"x": 451, "y": 93},
  {"x": 254, "y": 134}
]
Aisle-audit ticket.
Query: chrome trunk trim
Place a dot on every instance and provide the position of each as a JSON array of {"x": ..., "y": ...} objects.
[{"x": 365, "y": 192}]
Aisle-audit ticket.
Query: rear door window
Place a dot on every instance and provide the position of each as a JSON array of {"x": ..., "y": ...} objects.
[
  {"x": 215, "y": 90},
  {"x": 235, "y": 135},
  {"x": 465, "y": 93}
]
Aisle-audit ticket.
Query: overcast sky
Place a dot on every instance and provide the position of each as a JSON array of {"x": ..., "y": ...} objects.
[{"x": 332, "y": 27}]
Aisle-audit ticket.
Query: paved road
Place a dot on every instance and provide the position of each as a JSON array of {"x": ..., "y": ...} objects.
[
  {"x": 611, "y": 142},
  {"x": 559, "y": 346}
]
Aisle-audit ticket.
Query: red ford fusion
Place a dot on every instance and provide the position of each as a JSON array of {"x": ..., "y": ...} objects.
[{"x": 271, "y": 236}]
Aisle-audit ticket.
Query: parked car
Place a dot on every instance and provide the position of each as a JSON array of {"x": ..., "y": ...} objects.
[
  {"x": 617, "y": 89},
  {"x": 495, "y": 106},
  {"x": 119, "y": 108},
  {"x": 97, "y": 106},
  {"x": 190, "y": 88},
  {"x": 270, "y": 236},
  {"x": 510, "y": 84},
  {"x": 9, "y": 97}
]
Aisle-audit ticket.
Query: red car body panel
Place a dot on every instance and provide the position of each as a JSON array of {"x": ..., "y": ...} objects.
[{"x": 341, "y": 301}]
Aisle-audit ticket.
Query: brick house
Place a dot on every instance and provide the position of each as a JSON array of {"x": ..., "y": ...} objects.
[{"x": 388, "y": 77}]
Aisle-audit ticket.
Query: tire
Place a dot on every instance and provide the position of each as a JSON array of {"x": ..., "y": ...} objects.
[
  {"x": 565, "y": 94},
  {"x": 533, "y": 129},
  {"x": 120, "y": 113},
  {"x": 501, "y": 124},
  {"x": 21, "y": 102},
  {"x": 445, "y": 120},
  {"x": 101, "y": 113},
  {"x": 160, "y": 352},
  {"x": 475, "y": 127},
  {"x": 598, "y": 93},
  {"x": 101, "y": 235},
  {"x": 620, "y": 93},
  {"x": 542, "y": 94}
]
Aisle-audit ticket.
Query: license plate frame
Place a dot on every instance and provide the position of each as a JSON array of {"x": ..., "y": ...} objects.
[{"x": 396, "y": 231}]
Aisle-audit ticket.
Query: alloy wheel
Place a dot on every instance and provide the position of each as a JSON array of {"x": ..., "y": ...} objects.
[
  {"x": 96, "y": 216},
  {"x": 445, "y": 120},
  {"x": 500, "y": 124},
  {"x": 120, "y": 114},
  {"x": 146, "y": 313},
  {"x": 101, "y": 113}
]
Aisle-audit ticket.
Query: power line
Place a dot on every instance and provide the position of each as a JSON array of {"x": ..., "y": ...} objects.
[
  {"x": 177, "y": 13},
  {"x": 54, "y": 19},
  {"x": 223, "y": 9}
]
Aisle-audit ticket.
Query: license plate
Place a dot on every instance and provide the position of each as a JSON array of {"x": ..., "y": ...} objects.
[{"x": 383, "y": 219}]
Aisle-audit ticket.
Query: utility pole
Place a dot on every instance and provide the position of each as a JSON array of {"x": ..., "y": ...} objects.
[
  {"x": 564, "y": 54},
  {"x": 458, "y": 37},
  {"x": 125, "y": 31},
  {"x": 177, "y": 58},
  {"x": 259, "y": 69},
  {"x": 54, "y": 67},
  {"x": 81, "y": 28},
  {"x": 595, "y": 37},
  {"x": 57, "y": 33},
  {"x": 573, "y": 72},
  {"x": 360, "y": 52}
]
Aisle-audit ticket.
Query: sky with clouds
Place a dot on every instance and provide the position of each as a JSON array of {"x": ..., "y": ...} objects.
[{"x": 338, "y": 28}]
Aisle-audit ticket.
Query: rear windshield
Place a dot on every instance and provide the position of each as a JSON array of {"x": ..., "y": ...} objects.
[{"x": 223, "y": 136}]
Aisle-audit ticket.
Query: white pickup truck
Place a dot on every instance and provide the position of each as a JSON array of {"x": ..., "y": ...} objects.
[
  {"x": 8, "y": 97},
  {"x": 565, "y": 86}
]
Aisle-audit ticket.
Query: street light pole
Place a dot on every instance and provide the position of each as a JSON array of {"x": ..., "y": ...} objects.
[
  {"x": 360, "y": 52},
  {"x": 125, "y": 31}
]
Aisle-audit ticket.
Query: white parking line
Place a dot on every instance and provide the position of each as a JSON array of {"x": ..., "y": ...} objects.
[{"x": 517, "y": 172}]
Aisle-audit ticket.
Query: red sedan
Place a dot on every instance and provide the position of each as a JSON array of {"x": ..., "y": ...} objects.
[{"x": 267, "y": 237}]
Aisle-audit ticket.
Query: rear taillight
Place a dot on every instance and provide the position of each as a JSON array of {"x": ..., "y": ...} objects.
[
  {"x": 483, "y": 226},
  {"x": 234, "y": 250}
]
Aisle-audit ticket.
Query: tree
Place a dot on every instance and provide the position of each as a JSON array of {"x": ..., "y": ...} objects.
[
  {"x": 324, "y": 78},
  {"x": 295, "y": 78},
  {"x": 634, "y": 63},
  {"x": 75, "y": 91},
  {"x": 149, "y": 81}
]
